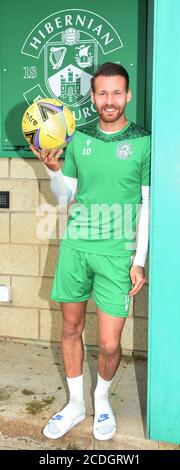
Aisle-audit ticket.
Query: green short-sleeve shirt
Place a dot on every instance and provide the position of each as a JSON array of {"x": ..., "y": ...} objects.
[{"x": 110, "y": 169}]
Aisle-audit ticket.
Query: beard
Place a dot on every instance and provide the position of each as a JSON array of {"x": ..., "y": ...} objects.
[{"x": 113, "y": 116}]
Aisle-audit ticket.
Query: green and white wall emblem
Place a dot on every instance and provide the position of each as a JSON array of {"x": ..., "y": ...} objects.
[{"x": 67, "y": 45}]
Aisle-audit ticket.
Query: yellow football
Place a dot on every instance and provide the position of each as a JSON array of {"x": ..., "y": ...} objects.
[{"x": 48, "y": 123}]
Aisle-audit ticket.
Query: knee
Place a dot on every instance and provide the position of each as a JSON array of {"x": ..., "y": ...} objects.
[
  {"x": 71, "y": 330},
  {"x": 109, "y": 347}
]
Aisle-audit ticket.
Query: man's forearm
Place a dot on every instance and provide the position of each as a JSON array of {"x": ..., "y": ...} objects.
[
  {"x": 143, "y": 229},
  {"x": 62, "y": 187}
]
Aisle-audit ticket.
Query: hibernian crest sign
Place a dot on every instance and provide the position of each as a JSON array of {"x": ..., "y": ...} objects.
[
  {"x": 69, "y": 66},
  {"x": 62, "y": 53}
]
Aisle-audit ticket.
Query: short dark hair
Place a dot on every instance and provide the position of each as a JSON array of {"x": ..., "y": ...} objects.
[{"x": 109, "y": 69}]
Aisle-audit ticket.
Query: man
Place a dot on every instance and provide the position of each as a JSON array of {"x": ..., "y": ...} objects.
[{"x": 107, "y": 170}]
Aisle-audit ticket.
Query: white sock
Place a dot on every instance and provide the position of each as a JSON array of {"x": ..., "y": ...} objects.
[
  {"x": 73, "y": 410},
  {"x": 75, "y": 385},
  {"x": 102, "y": 388},
  {"x": 104, "y": 423}
]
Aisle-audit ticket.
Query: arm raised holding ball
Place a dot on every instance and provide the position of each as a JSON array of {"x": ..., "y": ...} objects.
[{"x": 50, "y": 159}]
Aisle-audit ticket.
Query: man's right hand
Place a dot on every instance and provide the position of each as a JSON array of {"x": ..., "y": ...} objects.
[{"x": 50, "y": 159}]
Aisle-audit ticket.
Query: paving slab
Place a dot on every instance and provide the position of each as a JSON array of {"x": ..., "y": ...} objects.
[{"x": 33, "y": 388}]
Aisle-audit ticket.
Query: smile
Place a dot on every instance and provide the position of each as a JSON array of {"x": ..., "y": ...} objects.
[{"x": 110, "y": 110}]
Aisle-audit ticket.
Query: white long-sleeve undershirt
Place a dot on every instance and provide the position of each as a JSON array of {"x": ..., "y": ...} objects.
[
  {"x": 143, "y": 228},
  {"x": 64, "y": 189}
]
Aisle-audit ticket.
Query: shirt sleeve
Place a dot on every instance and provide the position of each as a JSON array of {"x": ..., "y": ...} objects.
[
  {"x": 63, "y": 187},
  {"x": 69, "y": 168},
  {"x": 146, "y": 165},
  {"x": 143, "y": 228}
]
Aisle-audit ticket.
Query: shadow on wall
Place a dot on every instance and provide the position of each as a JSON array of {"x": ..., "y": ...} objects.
[{"x": 140, "y": 344}]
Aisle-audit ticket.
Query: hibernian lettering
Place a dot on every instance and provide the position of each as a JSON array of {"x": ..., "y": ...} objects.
[{"x": 101, "y": 30}]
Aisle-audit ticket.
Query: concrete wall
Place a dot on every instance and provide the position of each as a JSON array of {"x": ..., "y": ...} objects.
[{"x": 28, "y": 263}]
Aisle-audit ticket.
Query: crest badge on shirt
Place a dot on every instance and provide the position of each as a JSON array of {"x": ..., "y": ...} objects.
[{"x": 123, "y": 151}]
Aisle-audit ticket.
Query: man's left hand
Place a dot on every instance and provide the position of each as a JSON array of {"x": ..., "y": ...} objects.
[{"x": 137, "y": 276}]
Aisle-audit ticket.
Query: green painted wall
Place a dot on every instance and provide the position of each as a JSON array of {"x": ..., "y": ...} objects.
[
  {"x": 115, "y": 31},
  {"x": 149, "y": 64},
  {"x": 164, "y": 306}
]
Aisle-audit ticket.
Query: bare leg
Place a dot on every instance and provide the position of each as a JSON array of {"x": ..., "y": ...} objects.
[
  {"x": 71, "y": 342},
  {"x": 72, "y": 351},
  {"x": 110, "y": 329}
]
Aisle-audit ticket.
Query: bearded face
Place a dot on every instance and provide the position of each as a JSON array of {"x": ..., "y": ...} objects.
[{"x": 110, "y": 97}]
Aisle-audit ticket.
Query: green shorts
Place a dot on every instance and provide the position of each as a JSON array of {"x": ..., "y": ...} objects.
[{"x": 79, "y": 274}]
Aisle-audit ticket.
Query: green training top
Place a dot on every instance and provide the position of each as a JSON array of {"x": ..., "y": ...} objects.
[{"x": 110, "y": 169}]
